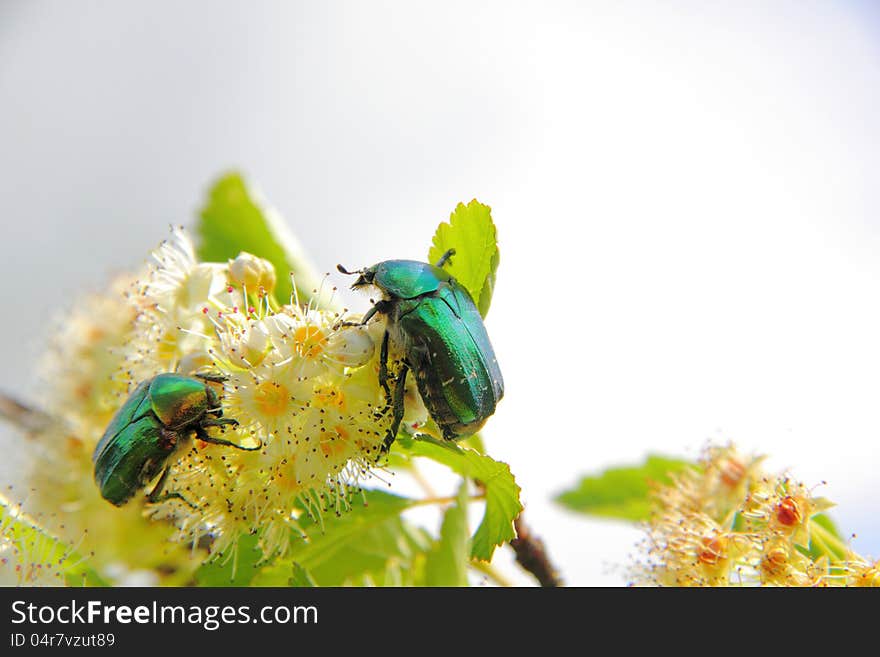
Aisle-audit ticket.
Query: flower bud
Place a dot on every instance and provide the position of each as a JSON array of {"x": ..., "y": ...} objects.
[
  {"x": 252, "y": 272},
  {"x": 351, "y": 346}
]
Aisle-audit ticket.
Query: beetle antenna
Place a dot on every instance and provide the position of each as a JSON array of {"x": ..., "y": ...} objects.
[
  {"x": 343, "y": 270},
  {"x": 445, "y": 257},
  {"x": 214, "y": 378}
]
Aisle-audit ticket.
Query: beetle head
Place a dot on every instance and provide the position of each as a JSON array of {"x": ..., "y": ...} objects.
[{"x": 365, "y": 276}]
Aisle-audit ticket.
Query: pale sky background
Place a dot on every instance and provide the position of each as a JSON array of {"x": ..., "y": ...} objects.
[{"x": 686, "y": 195}]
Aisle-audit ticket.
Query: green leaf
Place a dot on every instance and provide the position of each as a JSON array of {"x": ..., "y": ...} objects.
[
  {"x": 397, "y": 460},
  {"x": 233, "y": 220},
  {"x": 235, "y": 567},
  {"x": 826, "y": 539},
  {"x": 33, "y": 556},
  {"x": 370, "y": 543},
  {"x": 622, "y": 492},
  {"x": 301, "y": 577},
  {"x": 447, "y": 563},
  {"x": 472, "y": 234},
  {"x": 474, "y": 442},
  {"x": 485, "y": 299},
  {"x": 502, "y": 491}
]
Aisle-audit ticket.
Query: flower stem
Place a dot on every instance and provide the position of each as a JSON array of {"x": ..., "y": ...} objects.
[
  {"x": 445, "y": 500},
  {"x": 422, "y": 481}
]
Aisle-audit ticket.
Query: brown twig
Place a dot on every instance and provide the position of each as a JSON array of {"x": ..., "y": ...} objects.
[
  {"x": 26, "y": 418},
  {"x": 532, "y": 555}
]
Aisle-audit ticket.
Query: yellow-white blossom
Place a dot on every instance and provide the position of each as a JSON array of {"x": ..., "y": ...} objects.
[
  {"x": 84, "y": 379},
  {"x": 28, "y": 555},
  {"x": 725, "y": 522},
  {"x": 301, "y": 382}
]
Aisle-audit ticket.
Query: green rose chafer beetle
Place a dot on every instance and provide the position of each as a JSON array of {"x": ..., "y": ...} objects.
[
  {"x": 434, "y": 322},
  {"x": 159, "y": 415}
]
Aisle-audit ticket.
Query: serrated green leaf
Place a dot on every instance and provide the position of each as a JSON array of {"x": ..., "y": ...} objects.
[
  {"x": 233, "y": 220},
  {"x": 622, "y": 492},
  {"x": 301, "y": 577},
  {"x": 33, "y": 556},
  {"x": 367, "y": 541},
  {"x": 502, "y": 491},
  {"x": 472, "y": 234},
  {"x": 485, "y": 299},
  {"x": 447, "y": 562},
  {"x": 236, "y": 567}
]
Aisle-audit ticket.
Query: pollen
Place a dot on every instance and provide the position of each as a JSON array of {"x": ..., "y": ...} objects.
[
  {"x": 272, "y": 398},
  {"x": 309, "y": 341},
  {"x": 285, "y": 476},
  {"x": 330, "y": 397},
  {"x": 337, "y": 444},
  {"x": 788, "y": 512},
  {"x": 712, "y": 550},
  {"x": 776, "y": 566},
  {"x": 775, "y": 562}
]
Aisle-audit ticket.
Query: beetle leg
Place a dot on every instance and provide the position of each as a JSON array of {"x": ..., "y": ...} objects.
[
  {"x": 399, "y": 392},
  {"x": 383, "y": 377},
  {"x": 383, "y": 368},
  {"x": 381, "y": 306},
  {"x": 155, "y": 496},
  {"x": 445, "y": 258},
  {"x": 218, "y": 421},
  {"x": 213, "y": 378},
  {"x": 204, "y": 436}
]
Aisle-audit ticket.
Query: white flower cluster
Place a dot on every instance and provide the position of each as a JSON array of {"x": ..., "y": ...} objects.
[{"x": 301, "y": 383}]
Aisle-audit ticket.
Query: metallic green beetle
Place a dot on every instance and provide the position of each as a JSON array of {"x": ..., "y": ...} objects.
[
  {"x": 157, "y": 417},
  {"x": 434, "y": 322}
]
